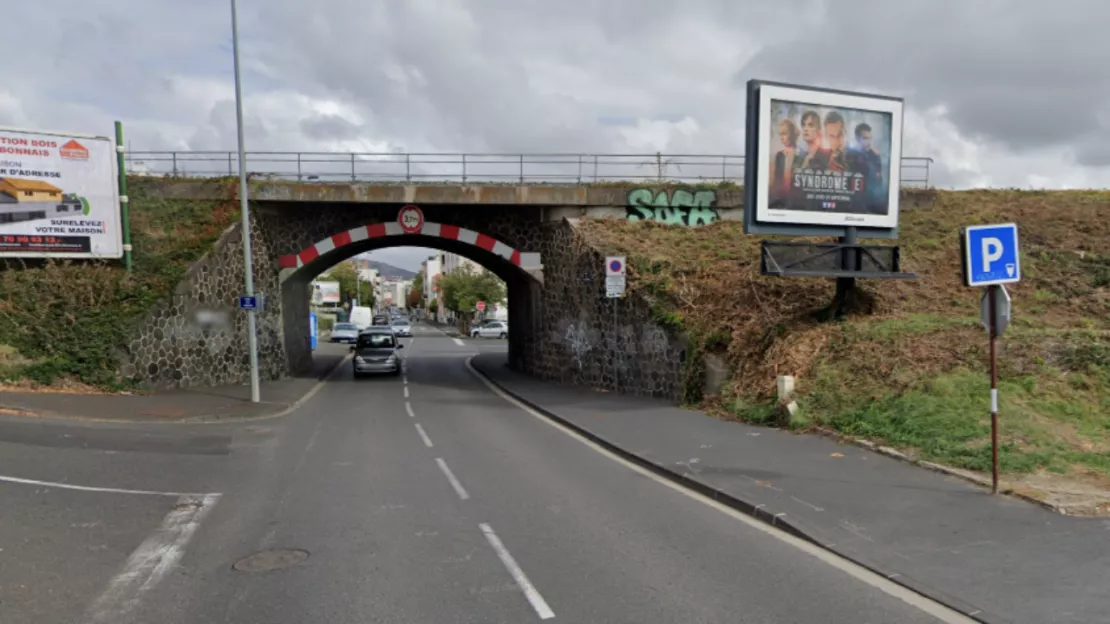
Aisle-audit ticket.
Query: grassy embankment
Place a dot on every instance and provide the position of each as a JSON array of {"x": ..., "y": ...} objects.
[
  {"x": 63, "y": 323},
  {"x": 910, "y": 370}
]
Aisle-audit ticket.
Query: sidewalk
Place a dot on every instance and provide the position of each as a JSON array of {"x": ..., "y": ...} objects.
[
  {"x": 189, "y": 405},
  {"x": 996, "y": 558}
]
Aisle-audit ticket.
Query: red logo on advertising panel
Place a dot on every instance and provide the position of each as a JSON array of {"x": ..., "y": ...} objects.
[{"x": 74, "y": 151}]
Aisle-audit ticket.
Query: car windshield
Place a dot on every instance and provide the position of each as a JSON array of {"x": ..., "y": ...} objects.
[
  {"x": 344, "y": 327},
  {"x": 375, "y": 341},
  {"x": 400, "y": 322}
]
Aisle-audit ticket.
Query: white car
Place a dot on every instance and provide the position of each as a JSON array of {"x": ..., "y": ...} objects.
[
  {"x": 344, "y": 332},
  {"x": 402, "y": 328},
  {"x": 491, "y": 329}
]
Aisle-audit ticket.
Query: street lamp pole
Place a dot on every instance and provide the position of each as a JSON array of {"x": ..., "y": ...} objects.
[{"x": 248, "y": 264}]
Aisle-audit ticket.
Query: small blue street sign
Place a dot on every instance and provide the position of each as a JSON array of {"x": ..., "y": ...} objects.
[
  {"x": 990, "y": 254},
  {"x": 248, "y": 303}
]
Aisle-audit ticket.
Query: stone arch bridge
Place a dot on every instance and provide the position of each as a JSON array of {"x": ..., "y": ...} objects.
[{"x": 560, "y": 326}]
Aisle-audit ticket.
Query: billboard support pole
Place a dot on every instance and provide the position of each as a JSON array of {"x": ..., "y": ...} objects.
[
  {"x": 124, "y": 201},
  {"x": 248, "y": 268},
  {"x": 846, "y": 286}
]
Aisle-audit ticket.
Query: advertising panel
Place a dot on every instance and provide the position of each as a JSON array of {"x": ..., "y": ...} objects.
[
  {"x": 325, "y": 292},
  {"x": 827, "y": 158},
  {"x": 59, "y": 196}
]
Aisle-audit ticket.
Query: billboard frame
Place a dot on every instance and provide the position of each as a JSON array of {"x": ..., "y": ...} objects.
[
  {"x": 119, "y": 198},
  {"x": 754, "y": 164}
]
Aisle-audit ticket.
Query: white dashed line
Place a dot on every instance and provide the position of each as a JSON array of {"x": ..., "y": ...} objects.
[
  {"x": 406, "y": 392},
  {"x": 526, "y": 586},
  {"x": 424, "y": 436},
  {"x": 452, "y": 479},
  {"x": 936, "y": 609},
  {"x": 408, "y": 409},
  {"x": 155, "y": 557},
  {"x": 459, "y": 342}
]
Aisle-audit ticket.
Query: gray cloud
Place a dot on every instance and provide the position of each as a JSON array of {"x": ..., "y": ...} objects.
[
  {"x": 998, "y": 92},
  {"x": 1025, "y": 75}
]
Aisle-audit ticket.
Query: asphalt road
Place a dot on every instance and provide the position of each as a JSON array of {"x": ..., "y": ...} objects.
[{"x": 423, "y": 498}]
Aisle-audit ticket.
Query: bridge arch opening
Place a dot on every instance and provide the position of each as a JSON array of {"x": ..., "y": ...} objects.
[{"x": 521, "y": 271}]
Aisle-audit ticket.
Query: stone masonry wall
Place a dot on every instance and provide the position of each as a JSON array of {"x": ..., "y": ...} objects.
[
  {"x": 583, "y": 338},
  {"x": 197, "y": 336}
]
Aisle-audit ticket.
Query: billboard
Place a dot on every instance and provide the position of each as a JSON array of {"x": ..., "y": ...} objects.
[
  {"x": 325, "y": 292},
  {"x": 59, "y": 196},
  {"x": 826, "y": 158}
]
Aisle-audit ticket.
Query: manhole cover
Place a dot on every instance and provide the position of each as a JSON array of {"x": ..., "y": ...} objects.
[{"x": 268, "y": 560}]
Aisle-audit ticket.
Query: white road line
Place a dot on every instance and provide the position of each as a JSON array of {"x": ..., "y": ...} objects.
[
  {"x": 404, "y": 379},
  {"x": 156, "y": 556},
  {"x": 452, "y": 479},
  {"x": 941, "y": 612},
  {"x": 89, "y": 488},
  {"x": 408, "y": 408},
  {"x": 526, "y": 586},
  {"x": 406, "y": 392},
  {"x": 459, "y": 342},
  {"x": 424, "y": 435}
]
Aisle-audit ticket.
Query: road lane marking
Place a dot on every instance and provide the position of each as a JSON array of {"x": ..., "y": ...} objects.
[
  {"x": 526, "y": 586},
  {"x": 406, "y": 392},
  {"x": 408, "y": 408},
  {"x": 452, "y": 479},
  {"x": 150, "y": 562},
  {"x": 938, "y": 610},
  {"x": 459, "y": 342},
  {"x": 89, "y": 488},
  {"x": 423, "y": 435}
]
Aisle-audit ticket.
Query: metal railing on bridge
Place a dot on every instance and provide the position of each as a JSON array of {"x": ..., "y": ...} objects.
[{"x": 387, "y": 167}]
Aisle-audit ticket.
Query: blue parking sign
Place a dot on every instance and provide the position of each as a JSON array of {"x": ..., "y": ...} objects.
[{"x": 990, "y": 254}]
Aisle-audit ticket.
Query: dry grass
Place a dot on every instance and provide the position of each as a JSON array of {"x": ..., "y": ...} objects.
[{"x": 909, "y": 367}]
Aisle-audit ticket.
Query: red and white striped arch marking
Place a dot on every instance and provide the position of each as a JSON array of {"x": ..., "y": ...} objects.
[{"x": 524, "y": 260}]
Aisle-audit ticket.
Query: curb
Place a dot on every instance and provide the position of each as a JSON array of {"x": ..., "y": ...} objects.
[
  {"x": 938, "y": 468},
  {"x": 27, "y": 414},
  {"x": 755, "y": 511}
]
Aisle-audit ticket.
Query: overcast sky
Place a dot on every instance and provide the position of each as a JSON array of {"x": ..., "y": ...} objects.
[{"x": 1012, "y": 93}]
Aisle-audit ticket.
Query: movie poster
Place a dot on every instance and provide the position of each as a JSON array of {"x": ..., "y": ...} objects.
[
  {"x": 59, "y": 196},
  {"x": 828, "y": 158}
]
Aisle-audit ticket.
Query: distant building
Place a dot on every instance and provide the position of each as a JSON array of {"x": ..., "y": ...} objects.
[{"x": 454, "y": 262}]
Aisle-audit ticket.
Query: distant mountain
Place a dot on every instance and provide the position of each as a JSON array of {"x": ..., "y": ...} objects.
[{"x": 388, "y": 270}]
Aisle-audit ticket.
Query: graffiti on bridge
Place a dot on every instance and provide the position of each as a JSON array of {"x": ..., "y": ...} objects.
[{"x": 674, "y": 207}]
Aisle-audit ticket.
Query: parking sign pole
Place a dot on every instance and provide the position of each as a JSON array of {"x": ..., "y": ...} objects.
[
  {"x": 244, "y": 207},
  {"x": 992, "y": 303}
]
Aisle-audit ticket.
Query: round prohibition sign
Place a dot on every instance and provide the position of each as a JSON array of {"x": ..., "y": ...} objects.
[
  {"x": 615, "y": 266},
  {"x": 411, "y": 219}
]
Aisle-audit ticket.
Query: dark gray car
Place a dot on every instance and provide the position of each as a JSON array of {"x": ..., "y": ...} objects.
[{"x": 376, "y": 352}]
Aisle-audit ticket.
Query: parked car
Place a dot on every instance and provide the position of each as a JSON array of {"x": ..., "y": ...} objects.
[
  {"x": 344, "y": 332},
  {"x": 402, "y": 328},
  {"x": 376, "y": 352},
  {"x": 490, "y": 329}
]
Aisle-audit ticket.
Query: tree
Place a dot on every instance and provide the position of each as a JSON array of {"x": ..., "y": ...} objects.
[
  {"x": 347, "y": 275},
  {"x": 462, "y": 288},
  {"x": 416, "y": 298}
]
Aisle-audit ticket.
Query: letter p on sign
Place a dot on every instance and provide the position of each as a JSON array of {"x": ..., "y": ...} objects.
[{"x": 990, "y": 254}]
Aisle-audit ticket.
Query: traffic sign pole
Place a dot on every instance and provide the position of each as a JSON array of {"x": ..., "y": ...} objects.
[{"x": 992, "y": 302}]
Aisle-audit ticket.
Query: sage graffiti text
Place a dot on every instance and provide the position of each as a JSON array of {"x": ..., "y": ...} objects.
[{"x": 676, "y": 207}]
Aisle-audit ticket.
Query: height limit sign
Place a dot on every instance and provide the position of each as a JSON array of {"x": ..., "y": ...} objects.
[{"x": 615, "y": 277}]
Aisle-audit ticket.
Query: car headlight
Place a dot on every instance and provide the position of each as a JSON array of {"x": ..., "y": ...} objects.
[{"x": 359, "y": 360}]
